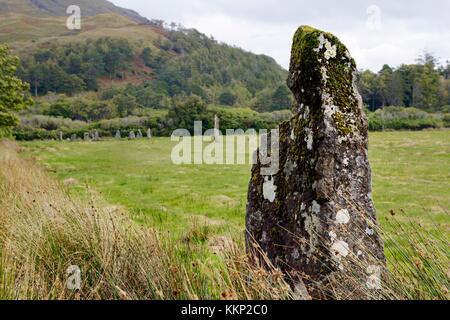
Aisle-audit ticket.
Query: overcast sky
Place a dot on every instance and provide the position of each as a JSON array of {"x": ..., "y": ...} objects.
[{"x": 376, "y": 32}]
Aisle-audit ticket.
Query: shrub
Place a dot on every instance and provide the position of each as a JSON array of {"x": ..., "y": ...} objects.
[
  {"x": 51, "y": 123},
  {"x": 400, "y": 118},
  {"x": 40, "y": 127},
  {"x": 446, "y": 120},
  {"x": 244, "y": 118},
  {"x": 27, "y": 133}
]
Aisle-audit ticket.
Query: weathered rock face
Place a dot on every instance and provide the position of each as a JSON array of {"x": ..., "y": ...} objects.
[{"x": 315, "y": 218}]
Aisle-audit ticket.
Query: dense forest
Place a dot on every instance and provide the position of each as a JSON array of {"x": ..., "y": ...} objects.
[
  {"x": 185, "y": 63},
  {"x": 424, "y": 85},
  {"x": 75, "y": 67}
]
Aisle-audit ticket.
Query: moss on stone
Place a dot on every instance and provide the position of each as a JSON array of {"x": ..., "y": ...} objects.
[
  {"x": 305, "y": 37},
  {"x": 342, "y": 126},
  {"x": 308, "y": 58}
]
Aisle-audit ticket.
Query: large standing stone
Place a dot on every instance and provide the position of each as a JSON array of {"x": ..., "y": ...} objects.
[{"x": 315, "y": 218}]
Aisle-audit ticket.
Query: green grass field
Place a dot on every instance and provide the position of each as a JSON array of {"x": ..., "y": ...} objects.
[{"x": 411, "y": 177}]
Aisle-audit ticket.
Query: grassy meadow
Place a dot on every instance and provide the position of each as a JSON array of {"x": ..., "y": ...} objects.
[
  {"x": 140, "y": 227},
  {"x": 411, "y": 178}
]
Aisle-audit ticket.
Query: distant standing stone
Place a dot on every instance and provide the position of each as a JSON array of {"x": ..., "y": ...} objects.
[
  {"x": 118, "y": 135},
  {"x": 86, "y": 136},
  {"x": 131, "y": 136},
  {"x": 149, "y": 133},
  {"x": 73, "y": 137},
  {"x": 60, "y": 136},
  {"x": 96, "y": 136},
  {"x": 315, "y": 217},
  {"x": 216, "y": 126},
  {"x": 139, "y": 134}
]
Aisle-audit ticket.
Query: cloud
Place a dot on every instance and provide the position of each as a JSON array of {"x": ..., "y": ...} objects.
[{"x": 398, "y": 34}]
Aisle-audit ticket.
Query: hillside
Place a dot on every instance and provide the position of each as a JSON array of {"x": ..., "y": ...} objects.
[
  {"x": 118, "y": 48},
  {"x": 58, "y": 8}
]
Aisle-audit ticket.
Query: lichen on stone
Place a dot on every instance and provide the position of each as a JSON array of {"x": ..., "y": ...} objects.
[
  {"x": 370, "y": 231},
  {"x": 309, "y": 139},
  {"x": 269, "y": 189},
  {"x": 340, "y": 249},
  {"x": 315, "y": 207},
  {"x": 343, "y": 217},
  {"x": 330, "y": 50}
]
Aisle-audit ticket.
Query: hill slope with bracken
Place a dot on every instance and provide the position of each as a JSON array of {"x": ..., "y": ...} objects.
[
  {"x": 59, "y": 8},
  {"x": 116, "y": 46}
]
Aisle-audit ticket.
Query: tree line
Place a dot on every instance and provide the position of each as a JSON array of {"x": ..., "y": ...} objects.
[{"x": 424, "y": 85}]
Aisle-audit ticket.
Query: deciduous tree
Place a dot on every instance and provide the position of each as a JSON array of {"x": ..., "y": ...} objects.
[{"x": 13, "y": 96}]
